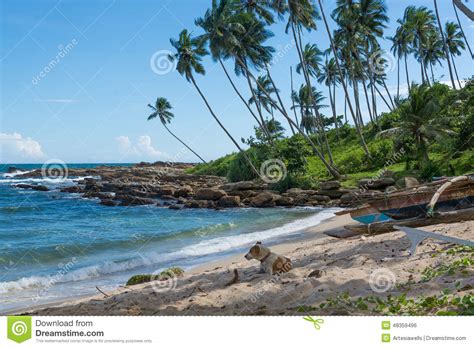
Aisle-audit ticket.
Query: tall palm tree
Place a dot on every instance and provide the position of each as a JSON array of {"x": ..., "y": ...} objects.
[
  {"x": 162, "y": 110},
  {"x": 260, "y": 8},
  {"x": 189, "y": 53},
  {"x": 401, "y": 49},
  {"x": 342, "y": 79},
  {"x": 433, "y": 52},
  {"x": 445, "y": 47},
  {"x": 328, "y": 76},
  {"x": 462, "y": 31},
  {"x": 421, "y": 23},
  {"x": 220, "y": 27},
  {"x": 312, "y": 59},
  {"x": 454, "y": 43},
  {"x": 260, "y": 97}
]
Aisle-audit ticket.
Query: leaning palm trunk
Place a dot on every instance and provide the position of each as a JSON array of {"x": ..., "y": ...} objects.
[
  {"x": 406, "y": 72},
  {"x": 244, "y": 154},
  {"x": 383, "y": 98},
  {"x": 456, "y": 72},
  {"x": 388, "y": 92},
  {"x": 319, "y": 121},
  {"x": 367, "y": 101},
  {"x": 371, "y": 79},
  {"x": 292, "y": 99},
  {"x": 334, "y": 114},
  {"x": 182, "y": 142},
  {"x": 339, "y": 70},
  {"x": 331, "y": 169},
  {"x": 243, "y": 100},
  {"x": 398, "y": 79},
  {"x": 445, "y": 46},
  {"x": 462, "y": 31}
]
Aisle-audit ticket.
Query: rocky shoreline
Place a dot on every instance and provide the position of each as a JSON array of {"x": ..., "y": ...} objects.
[{"x": 165, "y": 185}]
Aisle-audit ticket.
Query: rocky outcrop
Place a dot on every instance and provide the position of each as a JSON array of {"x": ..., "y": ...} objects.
[
  {"x": 212, "y": 194},
  {"x": 31, "y": 187},
  {"x": 229, "y": 202},
  {"x": 376, "y": 184},
  {"x": 263, "y": 200},
  {"x": 330, "y": 185}
]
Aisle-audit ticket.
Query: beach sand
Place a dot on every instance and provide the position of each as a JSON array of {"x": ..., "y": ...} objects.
[{"x": 356, "y": 266}]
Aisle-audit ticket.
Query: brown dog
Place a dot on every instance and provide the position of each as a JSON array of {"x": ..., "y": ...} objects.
[{"x": 270, "y": 263}]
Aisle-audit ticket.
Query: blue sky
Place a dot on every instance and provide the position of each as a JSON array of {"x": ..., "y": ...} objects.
[{"x": 90, "y": 104}]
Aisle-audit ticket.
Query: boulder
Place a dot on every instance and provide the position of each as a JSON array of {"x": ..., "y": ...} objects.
[
  {"x": 263, "y": 200},
  {"x": 242, "y": 194},
  {"x": 229, "y": 201},
  {"x": 165, "y": 190},
  {"x": 108, "y": 202},
  {"x": 72, "y": 189},
  {"x": 242, "y": 186},
  {"x": 183, "y": 191},
  {"x": 330, "y": 185},
  {"x": 407, "y": 182},
  {"x": 331, "y": 193},
  {"x": 32, "y": 187},
  {"x": 199, "y": 204},
  {"x": 127, "y": 200},
  {"x": 211, "y": 194},
  {"x": 284, "y": 201},
  {"x": 376, "y": 184},
  {"x": 175, "y": 207}
]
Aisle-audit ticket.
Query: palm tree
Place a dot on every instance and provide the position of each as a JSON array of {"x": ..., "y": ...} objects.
[
  {"x": 221, "y": 27},
  {"x": 462, "y": 31},
  {"x": 260, "y": 8},
  {"x": 419, "y": 120},
  {"x": 342, "y": 79},
  {"x": 433, "y": 52},
  {"x": 420, "y": 22},
  {"x": 264, "y": 88},
  {"x": 189, "y": 53},
  {"x": 312, "y": 59},
  {"x": 454, "y": 43},
  {"x": 401, "y": 49},
  {"x": 162, "y": 110},
  {"x": 328, "y": 76},
  {"x": 445, "y": 47}
]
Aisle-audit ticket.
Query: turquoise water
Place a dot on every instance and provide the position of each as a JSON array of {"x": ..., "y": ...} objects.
[{"x": 56, "y": 245}]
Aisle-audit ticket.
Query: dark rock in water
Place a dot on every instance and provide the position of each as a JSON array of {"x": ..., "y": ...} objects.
[
  {"x": 175, "y": 207},
  {"x": 284, "y": 201},
  {"x": 100, "y": 195},
  {"x": 199, "y": 204},
  {"x": 375, "y": 184},
  {"x": 209, "y": 194},
  {"x": 72, "y": 189},
  {"x": 229, "y": 201},
  {"x": 32, "y": 187},
  {"x": 133, "y": 200},
  {"x": 263, "y": 200},
  {"x": 108, "y": 202},
  {"x": 167, "y": 198},
  {"x": 330, "y": 185},
  {"x": 12, "y": 170}
]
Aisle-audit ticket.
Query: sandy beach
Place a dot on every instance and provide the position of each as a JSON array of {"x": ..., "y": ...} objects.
[{"x": 329, "y": 275}]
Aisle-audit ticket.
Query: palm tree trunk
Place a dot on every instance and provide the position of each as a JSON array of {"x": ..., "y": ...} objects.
[
  {"x": 462, "y": 31},
  {"x": 332, "y": 170},
  {"x": 346, "y": 92},
  {"x": 456, "y": 72},
  {"x": 355, "y": 88},
  {"x": 238, "y": 92},
  {"x": 388, "y": 92},
  {"x": 319, "y": 120},
  {"x": 367, "y": 101},
  {"x": 432, "y": 74},
  {"x": 334, "y": 115},
  {"x": 445, "y": 47},
  {"x": 182, "y": 142},
  {"x": 383, "y": 98},
  {"x": 258, "y": 106},
  {"x": 223, "y": 128},
  {"x": 292, "y": 99},
  {"x": 408, "y": 77},
  {"x": 398, "y": 79}
]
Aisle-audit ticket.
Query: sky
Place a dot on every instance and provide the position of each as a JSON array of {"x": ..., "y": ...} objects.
[{"x": 76, "y": 78}]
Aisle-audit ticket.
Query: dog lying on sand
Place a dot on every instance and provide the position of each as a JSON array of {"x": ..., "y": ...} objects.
[{"x": 270, "y": 263}]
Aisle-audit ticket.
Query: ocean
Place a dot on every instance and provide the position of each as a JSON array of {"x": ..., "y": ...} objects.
[{"x": 57, "y": 245}]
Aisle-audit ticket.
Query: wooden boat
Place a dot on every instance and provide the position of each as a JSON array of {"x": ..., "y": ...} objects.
[{"x": 416, "y": 202}]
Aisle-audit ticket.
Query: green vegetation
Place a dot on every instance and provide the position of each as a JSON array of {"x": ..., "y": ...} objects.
[
  {"x": 442, "y": 304},
  {"x": 424, "y": 136},
  {"x": 168, "y": 273}
]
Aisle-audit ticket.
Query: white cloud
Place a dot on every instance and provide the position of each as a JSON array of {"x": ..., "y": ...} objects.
[
  {"x": 142, "y": 148},
  {"x": 15, "y": 148}
]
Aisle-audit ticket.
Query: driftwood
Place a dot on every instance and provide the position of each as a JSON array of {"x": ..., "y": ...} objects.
[
  {"x": 103, "y": 293},
  {"x": 235, "y": 279},
  {"x": 438, "y": 218}
]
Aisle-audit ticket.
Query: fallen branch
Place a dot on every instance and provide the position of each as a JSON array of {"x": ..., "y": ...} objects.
[{"x": 103, "y": 293}]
